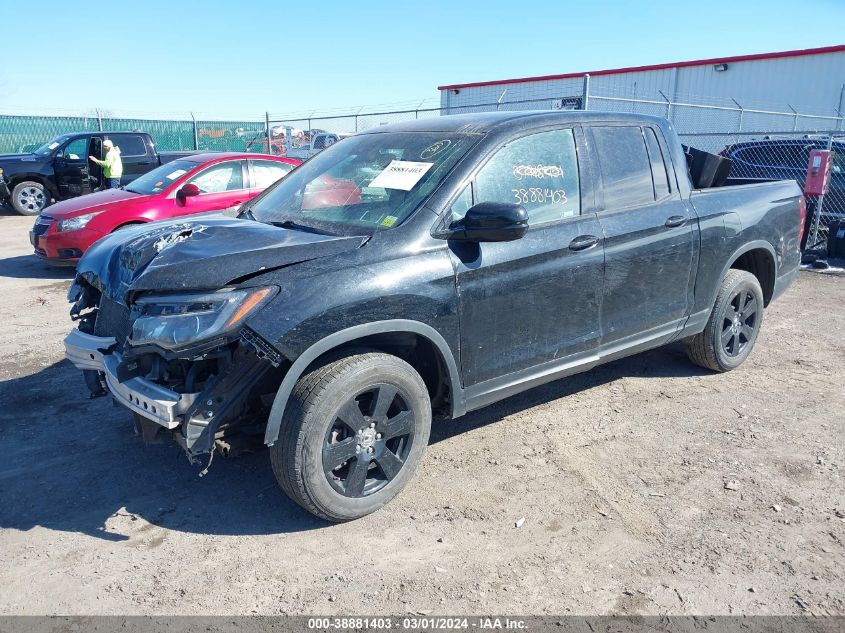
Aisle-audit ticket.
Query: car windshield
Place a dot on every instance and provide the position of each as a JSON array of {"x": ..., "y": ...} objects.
[
  {"x": 363, "y": 184},
  {"x": 49, "y": 147},
  {"x": 160, "y": 178}
]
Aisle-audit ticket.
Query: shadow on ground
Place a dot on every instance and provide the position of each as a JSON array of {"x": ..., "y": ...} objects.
[
  {"x": 666, "y": 362},
  {"x": 70, "y": 464},
  {"x": 30, "y": 267}
]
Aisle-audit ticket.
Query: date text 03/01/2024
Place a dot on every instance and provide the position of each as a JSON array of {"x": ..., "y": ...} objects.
[{"x": 414, "y": 623}]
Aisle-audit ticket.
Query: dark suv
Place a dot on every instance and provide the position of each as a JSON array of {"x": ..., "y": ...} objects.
[{"x": 786, "y": 159}]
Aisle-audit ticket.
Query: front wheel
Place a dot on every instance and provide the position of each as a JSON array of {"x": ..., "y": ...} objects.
[
  {"x": 30, "y": 197},
  {"x": 352, "y": 435},
  {"x": 733, "y": 326}
]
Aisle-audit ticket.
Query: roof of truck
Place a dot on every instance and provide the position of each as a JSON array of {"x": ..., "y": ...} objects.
[
  {"x": 483, "y": 122},
  {"x": 103, "y": 133}
]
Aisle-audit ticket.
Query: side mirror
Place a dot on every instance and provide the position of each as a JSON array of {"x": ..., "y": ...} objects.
[
  {"x": 187, "y": 191},
  {"x": 491, "y": 222}
]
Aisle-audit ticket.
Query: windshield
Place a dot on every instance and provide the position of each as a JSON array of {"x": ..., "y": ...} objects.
[
  {"x": 160, "y": 178},
  {"x": 363, "y": 184},
  {"x": 49, "y": 147}
]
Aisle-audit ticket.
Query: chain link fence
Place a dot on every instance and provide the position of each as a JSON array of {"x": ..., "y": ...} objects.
[
  {"x": 21, "y": 134},
  {"x": 763, "y": 144}
]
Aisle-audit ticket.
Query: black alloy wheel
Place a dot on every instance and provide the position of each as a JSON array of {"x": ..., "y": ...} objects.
[
  {"x": 739, "y": 322},
  {"x": 371, "y": 437}
]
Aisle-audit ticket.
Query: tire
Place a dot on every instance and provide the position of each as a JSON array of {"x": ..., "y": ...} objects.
[
  {"x": 30, "y": 197},
  {"x": 381, "y": 395},
  {"x": 733, "y": 326}
]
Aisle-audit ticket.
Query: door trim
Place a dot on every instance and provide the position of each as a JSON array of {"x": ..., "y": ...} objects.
[{"x": 485, "y": 393}]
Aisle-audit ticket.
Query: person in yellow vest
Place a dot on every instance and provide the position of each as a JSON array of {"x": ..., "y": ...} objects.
[{"x": 112, "y": 165}]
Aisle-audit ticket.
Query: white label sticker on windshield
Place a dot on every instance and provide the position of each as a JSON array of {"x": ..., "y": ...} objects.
[
  {"x": 53, "y": 145},
  {"x": 175, "y": 174},
  {"x": 401, "y": 174}
]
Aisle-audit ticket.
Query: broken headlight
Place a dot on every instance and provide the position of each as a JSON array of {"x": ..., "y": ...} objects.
[
  {"x": 171, "y": 321},
  {"x": 79, "y": 222}
]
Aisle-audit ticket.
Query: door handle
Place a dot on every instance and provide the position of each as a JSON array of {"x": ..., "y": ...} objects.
[
  {"x": 583, "y": 242},
  {"x": 675, "y": 220},
  {"x": 145, "y": 163}
]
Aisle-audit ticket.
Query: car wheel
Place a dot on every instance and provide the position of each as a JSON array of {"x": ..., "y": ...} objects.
[
  {"x": 352, "y": 435},
  {"x": 30, "y": 197},
  {"x": 733, "y": 326}
]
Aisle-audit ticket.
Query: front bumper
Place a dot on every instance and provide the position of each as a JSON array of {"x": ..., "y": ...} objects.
[
  {"x": 61, "y": 247},
  {"x": 152, "y": 401}
]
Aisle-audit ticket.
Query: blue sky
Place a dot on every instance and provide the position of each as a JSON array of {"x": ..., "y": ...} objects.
[{"x": 172, "y": 57}]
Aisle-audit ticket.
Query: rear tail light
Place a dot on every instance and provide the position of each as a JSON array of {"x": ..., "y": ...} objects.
[{"x": 802, "y": 206}]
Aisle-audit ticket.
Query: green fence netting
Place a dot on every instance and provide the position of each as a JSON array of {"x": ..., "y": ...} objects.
[{"x": 26, "y": 133}]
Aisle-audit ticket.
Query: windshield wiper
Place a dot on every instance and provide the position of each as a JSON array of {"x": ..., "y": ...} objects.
[{"x": 290, "y": 224}]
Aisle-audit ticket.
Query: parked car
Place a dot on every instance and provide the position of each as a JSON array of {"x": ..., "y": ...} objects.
[
  {"x": 302, "y": 145},
  {"x": 786, "y": 159},
  {"x": 316, "y": 144},
  {"x": 483, "y": 257},
  {"x": 193, "y": 184},
  {"x": 60, "y": 169},
  {"x": 307, "y": 135}
]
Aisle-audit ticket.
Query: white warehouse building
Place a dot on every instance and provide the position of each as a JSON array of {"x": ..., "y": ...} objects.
[{"x": 810, "y": 81}]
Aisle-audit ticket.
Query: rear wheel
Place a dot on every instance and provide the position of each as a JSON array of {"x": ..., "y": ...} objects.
[
  {"x": 30, "y": 197},
  {"x": 352, "y": 436},
  {"x": 733, "y": 326}
]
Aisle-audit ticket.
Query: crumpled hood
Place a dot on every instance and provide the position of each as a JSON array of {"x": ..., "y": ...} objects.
[
  {"x": 97, "y": 201},
  {"x": 204, "y": 253}
]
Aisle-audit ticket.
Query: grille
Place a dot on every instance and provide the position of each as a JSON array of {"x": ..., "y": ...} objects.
[{"x": 112, "y": 320}]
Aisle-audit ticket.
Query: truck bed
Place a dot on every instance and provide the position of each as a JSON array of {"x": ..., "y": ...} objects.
[{"x": 739, "y": 218}]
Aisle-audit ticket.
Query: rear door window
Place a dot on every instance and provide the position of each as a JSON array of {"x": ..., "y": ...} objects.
[
  {"x": 539, "y": 171},
  {"x": 776, "y": 155},
  {"x": 266, "y": 172},
  {"x": 625, "y": 166},
  {"x": 221, "y": 177},
  {"x": 130, "y": 144}
]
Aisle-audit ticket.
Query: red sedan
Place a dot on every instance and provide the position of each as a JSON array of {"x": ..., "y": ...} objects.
[{"x": 195, "y": 184}]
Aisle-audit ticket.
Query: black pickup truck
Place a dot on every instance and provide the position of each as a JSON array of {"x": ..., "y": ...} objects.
[
  {"x": 60, "y": 169},
  {"x": 419, "y": 271}
]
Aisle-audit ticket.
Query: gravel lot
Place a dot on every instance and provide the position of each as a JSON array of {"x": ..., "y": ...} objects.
[{"x": 647, "y": 486}]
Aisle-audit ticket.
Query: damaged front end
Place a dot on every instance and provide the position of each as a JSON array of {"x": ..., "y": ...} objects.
[
  {"x": 162, "y": 313},
  {"x": 182, "y": 362}
]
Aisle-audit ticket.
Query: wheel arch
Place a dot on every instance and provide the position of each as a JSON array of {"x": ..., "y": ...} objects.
[
  {"x": 757, "y": 258},
  {"x": 133, "y": 222},
  {"x": 16, "y": 179},
  {"x": 388, "y": 336}
]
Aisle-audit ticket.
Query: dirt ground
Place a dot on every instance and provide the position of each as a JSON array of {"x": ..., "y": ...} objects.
[{"x": 647, "y": 486}]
